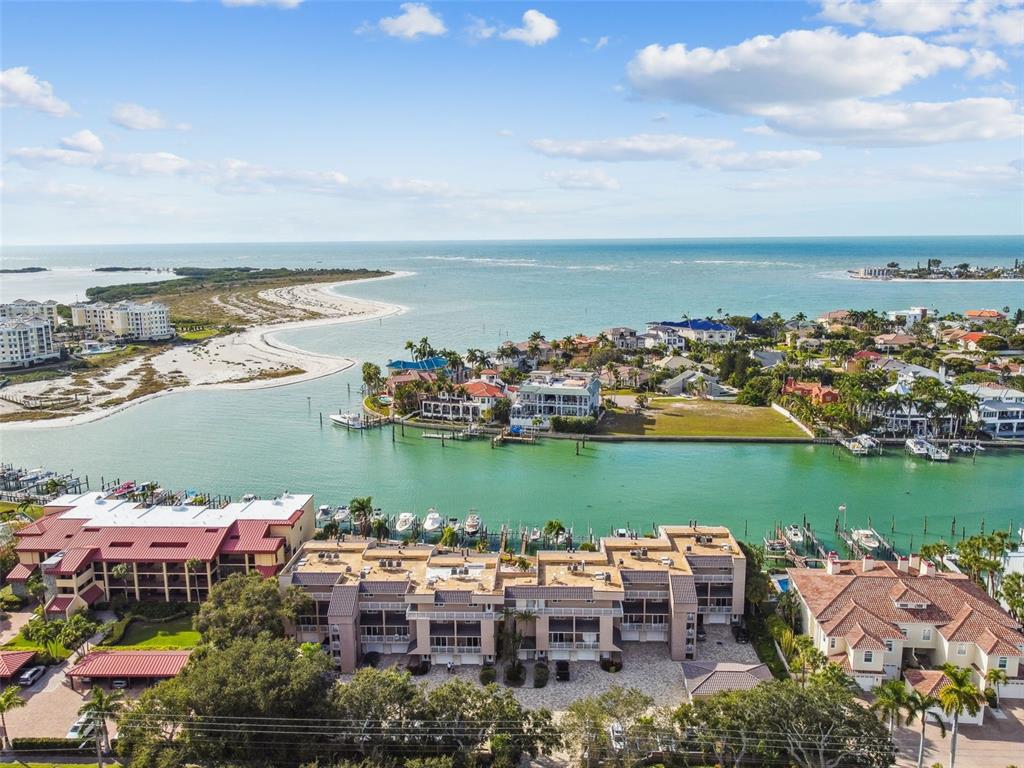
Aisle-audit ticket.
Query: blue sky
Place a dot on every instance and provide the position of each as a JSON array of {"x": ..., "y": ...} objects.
[{"x": 287, "y": 120}]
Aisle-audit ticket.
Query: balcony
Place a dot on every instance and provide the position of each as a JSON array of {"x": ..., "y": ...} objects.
[
  {"x": 451, "y": 615},
  {"x": 462, "y": 650},
  {"x": 394, "y": 638},
  {"x": 713, "y": 578},
  {"x": 646, "y": 594},
  {"x": 580, "y": 646},
  {"x": 583, "y": 612},
  {"x": 397, "y": 605}
]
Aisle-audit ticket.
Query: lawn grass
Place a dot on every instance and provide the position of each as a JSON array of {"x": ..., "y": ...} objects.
[
  {"x": 699, "y": 418},
  {"x": 206, "y": 333},
  {"x": 166, "y": 635},
  {"x": 19, "y": 643},
  {"x": 33, "y": 510}
]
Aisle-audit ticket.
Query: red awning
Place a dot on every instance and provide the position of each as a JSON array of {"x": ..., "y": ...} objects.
[
  {"x": 267, "y": 571},
  {"x": 92, "y": 594},
  {"x": 12, "y": 661},
  {"x": 59, "y": 605}
]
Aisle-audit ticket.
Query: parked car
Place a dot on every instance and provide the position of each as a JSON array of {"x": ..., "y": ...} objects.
[
  {"x": 561, "y": 670},
  {"x": 739, "y": 631},
  {"x": 119, "y": 683},
  {"x": 30, "y": 675},
  {"x": 701, "y": 634},
  {"x": 84, "y": 727},
  {"x": 618, "y": 736}
]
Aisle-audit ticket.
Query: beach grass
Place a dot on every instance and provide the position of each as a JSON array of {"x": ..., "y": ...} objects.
[
  {"x": 167, "y": 635},
  {"x": 206, "y": 333},
  {"x": 677, "y": 417}
]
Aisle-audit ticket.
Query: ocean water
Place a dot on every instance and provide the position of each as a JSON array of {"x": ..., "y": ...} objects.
[{"x": 480, "y": 294}]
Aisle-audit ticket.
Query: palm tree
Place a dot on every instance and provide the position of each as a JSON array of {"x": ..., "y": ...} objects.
[
  {"x": 995, "y": 678},
  {"x": 361, "y": 509},
  {"x": 960, "y": 694},
  {"x": 379, "y": 528},
  {"x": 410, "y": 347},
  {"x": 922, "y": 705},
  {"x": 10, "y": 699},
  {"x": 101, "y": 707},
  {"x": 890, "y": 699},
  {"x": 553, "y": 529},
  {"x": 449, "y": 537}
]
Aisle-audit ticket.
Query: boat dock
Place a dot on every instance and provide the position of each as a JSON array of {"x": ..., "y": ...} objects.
[
  {"x": 861, "y": 445},
  {"x": 917, "y": 446},
  {"x": 511, "y": 436}
]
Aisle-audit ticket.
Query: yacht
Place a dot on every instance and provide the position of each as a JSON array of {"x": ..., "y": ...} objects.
[
  {"x": 794, "y": 534},
  {"x": 349, "y": 420},
  {"x": 535, "y": 534},
  {"x": 323, "y": 514},
  {"x": 865, "y": 538},
  {"x": 433, "y": 522},
  {"x": 342, "y": 515},
  {"x": 775, "y": 545},
  {"x": 472, "y": 526},
  {"x": 406, "y": 521}
]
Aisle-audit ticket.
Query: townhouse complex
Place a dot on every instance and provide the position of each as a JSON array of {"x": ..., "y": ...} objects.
[
  {"x": 883, "y": 620},
  {"x": 149, "y": 321},
  {"x": 92, "y": 547},
  {"x": 439, "y": 606},
  {"x": 27, "y": 341}
]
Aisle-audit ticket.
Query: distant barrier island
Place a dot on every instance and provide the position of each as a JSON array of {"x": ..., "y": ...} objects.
[{"x": 933, "y": 270}]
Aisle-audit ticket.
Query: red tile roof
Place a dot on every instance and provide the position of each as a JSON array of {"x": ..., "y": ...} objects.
[
  {"x": 482, "y": 389},
  {"x": 59, "y": 604},
  {"x": 74, "y": 560},
  {"x": 866, "y": 354},
  {"x": 92, "y": 594},
  {"x": 12, "y": 661},
  {"x": 266, "y": 571},
  {"x": 984, "y": 313},
  {"x": 130, "y": 664},
  {"x": 21, "y": 572},
  {"x": 975, "y": 336},
  {"x": 926, "y": 681},
  {"x": 252, "y": 536}
]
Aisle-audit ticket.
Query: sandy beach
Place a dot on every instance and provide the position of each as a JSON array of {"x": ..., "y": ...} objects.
[{"x": 250, "y": 359}]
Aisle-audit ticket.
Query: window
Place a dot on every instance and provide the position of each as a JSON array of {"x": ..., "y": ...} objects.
[
  {"x": 1001, "y": 664},
  {"x": 903, "y": 631},
  {"x": 926, "y": 634},
  {"x": 961, "y": 650},
  {"x": 868, "y": 657},
  {"x": 832, "y": 643},
  {"x": 888, "y": 645}
]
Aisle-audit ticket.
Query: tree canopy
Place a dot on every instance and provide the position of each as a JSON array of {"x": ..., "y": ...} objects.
[{"x": 246, "y": 606}]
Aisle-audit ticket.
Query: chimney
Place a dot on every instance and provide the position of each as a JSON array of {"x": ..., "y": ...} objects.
[
  {"x": 927, "y": 568},
  {"x": 903, "y": 564},
  {"x": 832, "y": 566},
  {"x": 915, "y": 561},
  {"x": 867, "y": 563}
]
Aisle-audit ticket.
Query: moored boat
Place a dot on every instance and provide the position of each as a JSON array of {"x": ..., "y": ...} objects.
[
  {"x": 794, "y": 534},
  {"x": 432, "y": 522},
  {"x": 472, "y": 526},
  {"x": 406, "y": 521},
  {"x": 349, "y": 420},
  {"x": 865, "y": 538}
]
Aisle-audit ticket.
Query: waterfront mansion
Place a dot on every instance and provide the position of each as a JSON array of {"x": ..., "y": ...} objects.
[
  {"x": 92, "y": 547},
  {"x": 886, "y": 620},
  {"x": 544, "y": 394},
  {"x": 440, "y": 606}
]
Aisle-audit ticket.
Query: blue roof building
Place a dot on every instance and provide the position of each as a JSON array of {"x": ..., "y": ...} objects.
[
  {"x": 435, "y": 363},
  {"x": 698, "y": 325}
]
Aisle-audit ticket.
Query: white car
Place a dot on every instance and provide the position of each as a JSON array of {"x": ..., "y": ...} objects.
[
  {"x": 84, "y": 727},
  {"x": 29, "y": 676}
]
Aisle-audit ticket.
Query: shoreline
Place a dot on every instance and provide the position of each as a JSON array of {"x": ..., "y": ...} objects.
[{"x": 257, "y": 342}]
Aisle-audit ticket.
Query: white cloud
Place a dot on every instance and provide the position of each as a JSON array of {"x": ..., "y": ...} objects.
[
  {"x": 239, "y": 176},
  {"x": 759, "y": 161},
  {"x": 20, "y": 88},
  {"x": 479, "y": 29},
  {"x": 147, "y": 164},
  {"x": 797, "y": 67},
  {"x": 416, "y": 19},
  {"x": 595, "y": 179},
  {"x": 759, "y": 130},
  {"x": 505, "y": 132},
  {"x": 537, "y": 29},
  {"x": 602, "y": 41},
  {"x": 34, "y": 157},
  {"x": 661, "y": 117},
  {"x": 83, "y": 141},
  {"x": 984, "y": 64},
  {"x": 644, "y": 146},
  {"x": 863, "y": 123},
  {"x": 286, "y": 4},
  {"x": 999, "y": 22},
  {"x": 1009, "y": 175},
  {"x": 137, "y": 118}
]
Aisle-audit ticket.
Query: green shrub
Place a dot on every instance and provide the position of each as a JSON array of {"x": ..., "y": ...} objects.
[
  {"x": 540, "y": 675},
  {"x": 52, "y": 744},
  {"x": 515, "y": 674},
  {"x": 611, "y": 666},
  {"x": 116, "y": 630},
  {"x": 488, "y": 675},
  {"x": 586, "y": 546},
  {"x": 575, "y": 425}
]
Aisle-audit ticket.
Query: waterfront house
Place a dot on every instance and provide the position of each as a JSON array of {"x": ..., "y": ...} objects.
[
  {"x": 904, "y": 418},
  {"x": 669, "y": 336},
  {"x": 26, "y": 342},
  {"x": 92, "y": 547},
  {"x": 544, "y": 394},
  {"x": 623, "y": 338},
  {"x": 873, "y": 273},
  {"x": 436, "y": 365},
  {"x": 893, "y": 342},
  {"x": 447, "y": 606},
  {"x": 624, "y": 376},
  {"x": 706, "y": 330},
  {"x": 875, "y": 619},
  {"x": 22, "y": 309},
  {"x": 833, "y": 317},
  {"x": 470, "y": 402},
  {"x": 984, "y": 315},
  {"x": 1000, "y": 411},
  {"x": 815, "y": 391},
  {"x": 395, "y": 380},
  {"x": 907, "y": 318},
  {"x": 148, "y": 321}
]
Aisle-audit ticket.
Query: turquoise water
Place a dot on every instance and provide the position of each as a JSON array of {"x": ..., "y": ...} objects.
[{"x": 478, "y": 294}]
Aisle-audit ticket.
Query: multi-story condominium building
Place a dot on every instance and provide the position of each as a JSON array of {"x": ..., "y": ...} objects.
[
  {"x": 25, "y": 342},
  {"x": 91, "y": 547},
  {"x": 544, "y": 394},
  {"x": 127, "y": 320},
  {"x": 707, "y": 331},
  {"x": 877, "y": 619},
  {"x": 20, "y": 309},
  {"x": 623, "y": 338},
  {"x": 447, "y": 606}
]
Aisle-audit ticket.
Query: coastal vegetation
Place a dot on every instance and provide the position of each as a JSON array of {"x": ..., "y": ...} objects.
[
  {"x": 23, "y": 270},
  {"x": 694, "y": 418},
  {"x": 934, "y": 270}
]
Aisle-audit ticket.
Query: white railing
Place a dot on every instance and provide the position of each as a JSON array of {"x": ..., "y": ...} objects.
[
  {"x": 573, "y": 646},
  {"x": 713, "y": 578},
  {"x": 450, "y": 615},
  {"x": 646, "y": 594},
  {"x": 462, "y": 651},
  {"x": 582, "y": 612},
  {"x": 398, "y": 606},
  {"x": 642, "y": 625},
  {"x": 383, "y": 638}
]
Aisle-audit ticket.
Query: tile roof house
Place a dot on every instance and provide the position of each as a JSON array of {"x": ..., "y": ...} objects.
[
  {"x": 815, "y": 391},
  {"x": 83, "y": 541},
  {"x": 703, "y": 679},
  {"x": 984, "y": 315},
  {"x": 893, "y": 342},
  {"x": 930, "y": 682},
  {"x": 875, "y": 618},
  {"x": 970, "y": 341}
]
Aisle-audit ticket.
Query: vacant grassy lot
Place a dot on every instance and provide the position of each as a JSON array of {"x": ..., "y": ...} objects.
[
  {"x": 167, "y": 635},
  {"x": 699, "y": 418},
  {"x": 32, "y": 510}
]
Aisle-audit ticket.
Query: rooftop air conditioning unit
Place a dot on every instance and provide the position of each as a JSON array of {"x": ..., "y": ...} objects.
[
  {"x": 689, "y": 548},
  {"x": 465, "y": 571},
  {"x": 455, "y": 572},
  {"x": 643, "y": 552}
]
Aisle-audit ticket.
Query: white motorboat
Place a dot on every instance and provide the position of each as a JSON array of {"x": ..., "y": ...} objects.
[
  {"x": 324, "y": 514},
  {"x": 775, "y": 545},
  {"x": 621, "y": 533},
  {"x": 916, "y": 446},
  {"x": 348, "y": 420},
  {"x": 794, "y": 534},
  {"x": 406, "y": 522},
  {"x": 535, "y": 534},
  {"x": 342, "y": 515},
  {"x": 865, "y": 538},
  {"x": 433, "y": 522},
  {"x": 472, "y": 526}
]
